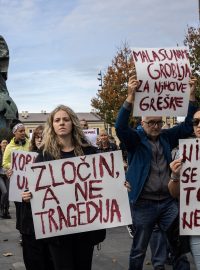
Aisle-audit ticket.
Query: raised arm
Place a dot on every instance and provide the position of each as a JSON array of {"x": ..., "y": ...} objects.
[
  {"x": 193, "y": 81},
  {"x": 132, "y": 87},
  {"x": 126, "y": 134}
]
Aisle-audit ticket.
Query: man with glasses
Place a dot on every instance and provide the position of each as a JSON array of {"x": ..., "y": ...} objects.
[{"x": 149, "y": 154}]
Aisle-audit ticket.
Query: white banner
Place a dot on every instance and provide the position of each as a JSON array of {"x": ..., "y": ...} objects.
[
  {"x": 78, "y": 194},
  {"x": 91, "y": 135},
  {"x": 190, "y": 187},
  {"x": 18, "y": 180},
  {"x": 164, "y": 75}
]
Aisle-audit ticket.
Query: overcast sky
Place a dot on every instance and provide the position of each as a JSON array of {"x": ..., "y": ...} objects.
[{"x": 57, "y": 47}]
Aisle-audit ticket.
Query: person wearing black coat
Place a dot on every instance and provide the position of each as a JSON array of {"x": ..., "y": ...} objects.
[{"x": 64, "y": 138}]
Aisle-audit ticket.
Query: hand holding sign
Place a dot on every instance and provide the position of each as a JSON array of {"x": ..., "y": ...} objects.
[
  {"x": 176, "y": 166},
  {"x": 26, "y": 196},
  {"x": 9, "y": 173},
  {"x": 132, "y": 87}
]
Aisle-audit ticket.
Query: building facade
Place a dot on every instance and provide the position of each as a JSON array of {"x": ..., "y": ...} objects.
[{"x": 32, "y": 120}]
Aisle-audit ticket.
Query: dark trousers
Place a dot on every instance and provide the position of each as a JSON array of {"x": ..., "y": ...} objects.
[
  {"x": 4, "y": 188},
  {"x": 18, "y": 207},
  {"x": 36, "y": 254},
  {"x": 71, "y": 253},
  {"x": 160, "y": 250},
  {"x": 147, "y": 213}
]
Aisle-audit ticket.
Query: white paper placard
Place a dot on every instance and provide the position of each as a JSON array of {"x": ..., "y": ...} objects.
[
  {"x": 78, "y": 194},
  {"x": 164, "y": 75}
]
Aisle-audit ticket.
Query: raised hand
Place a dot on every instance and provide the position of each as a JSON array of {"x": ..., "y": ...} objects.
[
  {"x": 132, "y": 87},
  {"x": 193, "y": 81}
]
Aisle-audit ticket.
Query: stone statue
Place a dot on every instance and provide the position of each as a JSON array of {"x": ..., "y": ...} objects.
[{"x": 8, "y": 109}]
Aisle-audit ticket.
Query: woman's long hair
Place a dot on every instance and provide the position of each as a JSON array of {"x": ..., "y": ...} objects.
[
  {"x": 38, "y": 131},
  {"x": 51, "y": 143}
]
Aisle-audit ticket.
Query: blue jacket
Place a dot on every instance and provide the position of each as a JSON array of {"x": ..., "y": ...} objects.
[{"x": 139, "y": 149}]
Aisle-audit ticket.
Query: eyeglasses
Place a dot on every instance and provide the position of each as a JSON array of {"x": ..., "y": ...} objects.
[
  {"x": 152, "y": 123},
  {"x": 195, "y": 121}
]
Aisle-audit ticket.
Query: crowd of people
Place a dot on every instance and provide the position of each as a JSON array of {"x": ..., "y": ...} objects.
[{"x": 150, "y": 174}]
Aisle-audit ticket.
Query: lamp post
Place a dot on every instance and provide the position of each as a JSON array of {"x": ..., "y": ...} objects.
[
  {"x": 100, "y": 77},
  {"x": 100, "y": 84},
  {"x": 199, "y": 11}
]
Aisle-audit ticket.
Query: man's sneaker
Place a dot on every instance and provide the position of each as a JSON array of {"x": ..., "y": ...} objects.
[{"x": 130, "y": 230}]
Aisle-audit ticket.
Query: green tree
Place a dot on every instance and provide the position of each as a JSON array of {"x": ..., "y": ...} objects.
[
  {"x": 192, "y": 40},
  {"x": 114, "y": 86}
]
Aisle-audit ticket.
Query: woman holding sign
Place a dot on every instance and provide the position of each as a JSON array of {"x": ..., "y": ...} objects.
[
  {"x": 36, "y": 253},
  {"x": 174, "y": 189},
  {"x": 18, "y": 142},
  {"x": 64, "y": 138}
]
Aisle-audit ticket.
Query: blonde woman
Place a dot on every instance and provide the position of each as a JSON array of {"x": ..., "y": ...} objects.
[{"x": 64, "y": 138}]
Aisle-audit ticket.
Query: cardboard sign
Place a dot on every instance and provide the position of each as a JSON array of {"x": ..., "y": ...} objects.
[
  {"x": 91, "y": 135},
  {"x": 18, "y": 180},
  {"x": 190, "y": 187},
  {"x": 78, "y": 194},
  {"x": 164, "y": 81}
]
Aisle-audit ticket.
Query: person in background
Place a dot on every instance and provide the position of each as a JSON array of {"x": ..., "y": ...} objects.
[
  {"x": 122, "y": 147},
  {"x": 4, "y": 185},
  {"x": 91, "y": 134},
  {"x": 84, "y": 124},
  {"x": 103, "y": 144},
  {"x": 149, "y": 155},
  {"x": 36, "y": 253},
  {"x": 18, "y": 142},
  {"x": 64, "y": 138},
  {"x": 174, "y": 188},
  {"x": 36, "y": 139},
  {"x": 112, "y": 139}
]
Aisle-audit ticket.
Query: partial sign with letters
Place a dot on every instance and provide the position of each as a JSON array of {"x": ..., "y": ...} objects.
[
  {"x": 18, "y": 180},
  {"x": 190, "y": 187}
]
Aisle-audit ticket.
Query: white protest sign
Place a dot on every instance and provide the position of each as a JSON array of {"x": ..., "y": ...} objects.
[
  {"x": 91, "y": 135},
  {"x": 78, "y": 194},
  {"x": 164, "y": 81},
  {"x": 190, "y": 187},
  {"x": 18, "y": 180}
]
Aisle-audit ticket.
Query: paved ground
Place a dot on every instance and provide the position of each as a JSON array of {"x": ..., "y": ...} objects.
[{"x": 112, "y": 256}]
